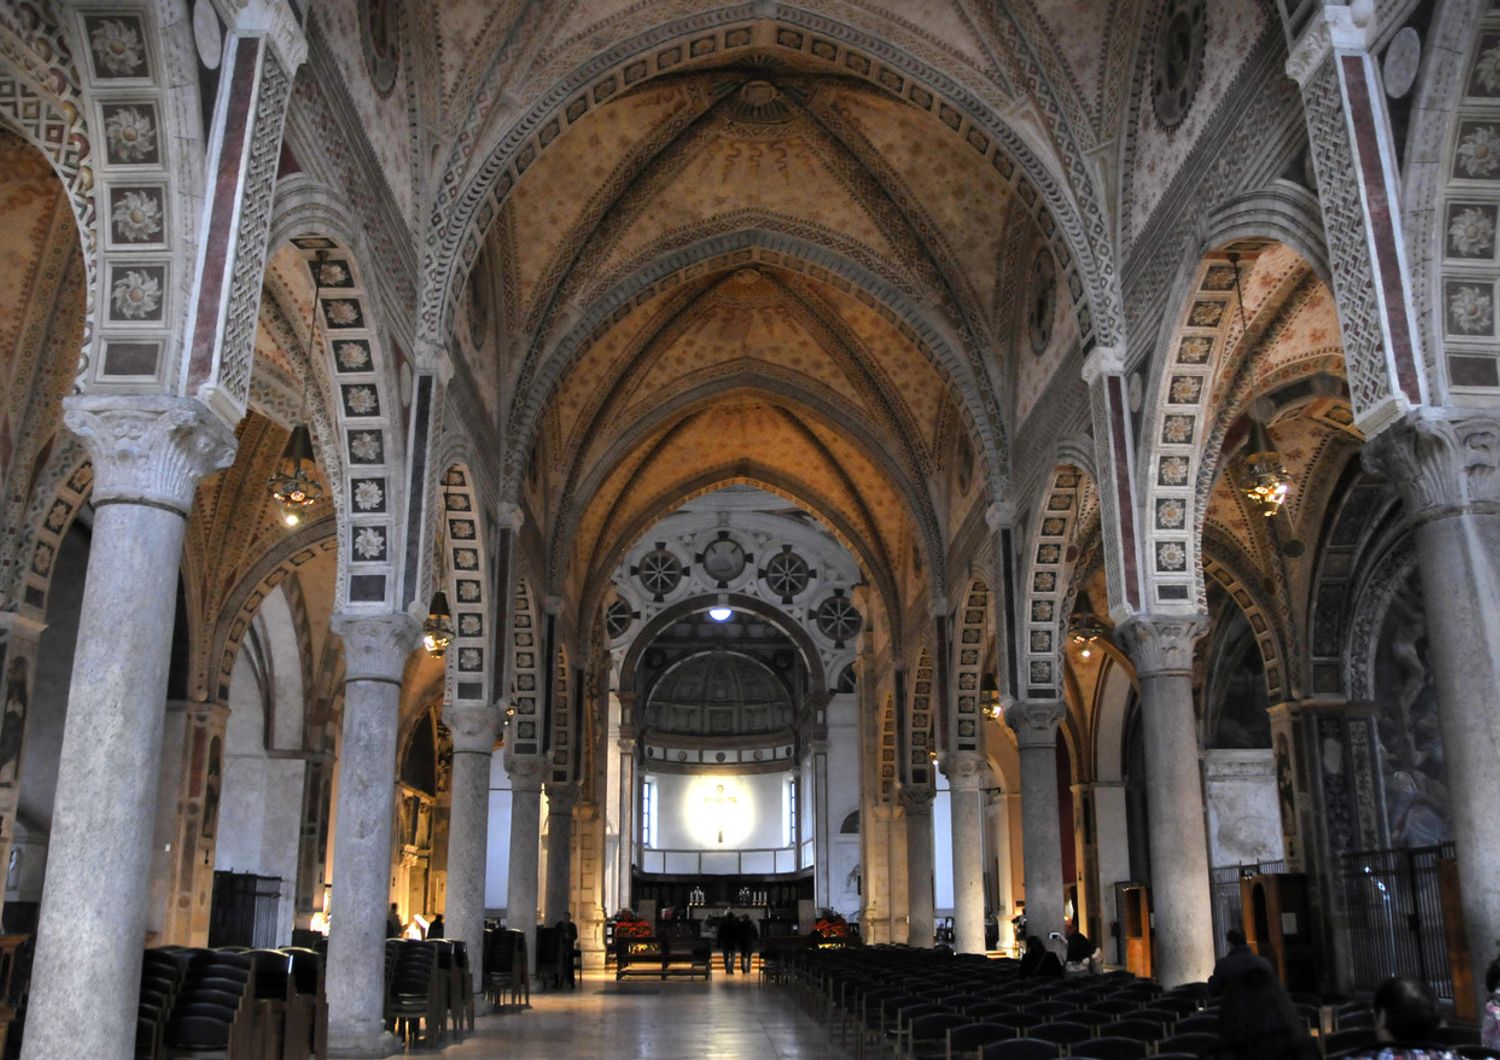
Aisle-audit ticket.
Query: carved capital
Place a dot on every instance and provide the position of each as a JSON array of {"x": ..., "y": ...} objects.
[
  {"x": 508, "y": 515},
  {"x": 473, "y": 727},
  {"x": 561, "y": 798},
  {"x": 625, "y": 745},
  {"x": 552, "y": 605},
  {"x": 526, "y": 771},
  {"x": 376, "y": 646},
  {"x": 1035, "y": 721},
  {"x": 149, "y": 449},
  {"x": 915, "y": 800},
  {"x": 1102, "y": 361},
  {"x": 1440, "y": 462},
  {"x": 1162, "y": 644},
  {"x": 966, "y": 770},
  {"x": 1001, "y": 513}
]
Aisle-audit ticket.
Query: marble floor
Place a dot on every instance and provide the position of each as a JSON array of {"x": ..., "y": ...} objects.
[{"x": 726, "y": 1018}]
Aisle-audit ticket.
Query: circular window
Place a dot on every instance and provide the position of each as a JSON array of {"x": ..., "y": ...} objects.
[
  {"x": 1178, "y": 62},
  {"x": 786, "y": 574},
  {"x": 617, "y": 619},
  {"x": 723, "y": 560},
  {"x": 837, "y": 619},
  {"x": 660, "y": 572}
]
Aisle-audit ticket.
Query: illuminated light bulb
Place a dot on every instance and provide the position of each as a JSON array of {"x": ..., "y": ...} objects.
[{"x": 720, "y": 614}]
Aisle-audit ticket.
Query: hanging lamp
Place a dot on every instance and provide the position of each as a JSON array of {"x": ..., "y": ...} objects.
[
  {"x": 291, "y": 487},
  {"x": 437, "y": 628},
  {"x": 1265, "y": 479}
]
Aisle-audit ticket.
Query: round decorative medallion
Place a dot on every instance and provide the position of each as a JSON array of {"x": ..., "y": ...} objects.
[
  {"x": 786, "y": 574},
  {"x": 837, "y": 619},
  {"x": 208, "y": 35},
  {"x": 378, "y": 26},
  {"x": 617, "y": 619},
  {"x": 1177, "y": 66},
  {"x": 1402, "y": 60},
  {"x": 660, "y": 572},
  {"x": 1042, "y": 304},
  {"x": 965, "y": 463},
  {"x": 723, "y": 560}
]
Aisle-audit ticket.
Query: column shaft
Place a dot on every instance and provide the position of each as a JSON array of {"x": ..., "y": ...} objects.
[
  {"x": 525, "y": 848},
  {"x": 966, "y": 772},
  {"x": 920, "y": 910},
  {"x": 375, "y": 651},
  {"x": 468, "y": 851},
  {"x": 560, "y": 802},
  {"x": 1035, "y": 724},
  {"x": 148, "y": 455}
]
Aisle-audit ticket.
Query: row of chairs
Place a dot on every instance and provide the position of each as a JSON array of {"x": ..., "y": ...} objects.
[
  {"x": 428, "y": 989},
  {"x": 924, "y": 1003},
  {"x": 234, "y": 1002},
  {"x": 504, "y": 970}
]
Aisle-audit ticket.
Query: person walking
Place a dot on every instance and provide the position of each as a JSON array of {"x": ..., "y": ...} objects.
[
  {"x": 728, "y": 940},
  {"x": 393, "y": 922},
  {"x": 435, "y": 929},
  {"x": 747, "y": 934}
]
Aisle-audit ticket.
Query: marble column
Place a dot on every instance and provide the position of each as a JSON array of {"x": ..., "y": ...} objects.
[
  {"x": 20, "y": 637},
  {"x": 1035, "y": 724},
  {"x": 148, "y": 454},
  {"x": 967, "y": 772},
  {"x": 822, "y": 848},
  {"x": 920, "y": 907},
  {"x": 473, "y": 727},
  {"x": 1446, "y": 465},
  {"x": 997, "y": 820},
  {"x": 561, "y": 799},
  {"x": 375, "y": 653},
  {"x": 1161, "y": 647},
  {"x": 526, "y": 773},
  {"x": 627, "y": 825}
]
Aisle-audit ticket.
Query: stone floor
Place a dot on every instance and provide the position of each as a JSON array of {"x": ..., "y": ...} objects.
[{"x": 726, "y": 1018}]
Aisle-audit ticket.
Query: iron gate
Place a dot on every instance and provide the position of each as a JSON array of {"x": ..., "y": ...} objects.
[{"x": 1395, "y": 916}]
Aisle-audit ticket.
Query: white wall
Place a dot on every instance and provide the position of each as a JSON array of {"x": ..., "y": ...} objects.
[
  {"x": 942, "y": 848},
  {"x": 497, "y": 872},
  {"x": 1244, "y": 812},
  {"x": 686, "y": 822},
  {"x": 842, "y": 800}
]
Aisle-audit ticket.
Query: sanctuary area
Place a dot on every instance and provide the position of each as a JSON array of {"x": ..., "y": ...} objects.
[{"x": 503, "y": 494}]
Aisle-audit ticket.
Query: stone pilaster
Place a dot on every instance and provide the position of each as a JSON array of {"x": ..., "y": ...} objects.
[
  {"x": 526, "y": 775},
  {"x": 1358, "y": 173},
  {"x": 1162, "y": 649},
  {"x": 199, "y": 781},
  {"x": 376, "y": 648},
  {"x": 1446, "y": 465},
  {"x": 20, "y": 637},
  {"x": 967, "y": 772},
  {"x": 921, "y": 914},
  {"x": 562, "y": 799},
  {"x": 997, "y": 822},
  {"x": 1035, "y": 724},
  {"x": 473, "y": 728},
  {"x": 1114, "y": 458},
  {"x": 625, "y": 746},
  {"x": 148, "y": 455}
]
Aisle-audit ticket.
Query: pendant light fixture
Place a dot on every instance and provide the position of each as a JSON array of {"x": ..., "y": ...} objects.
[
  {"x": 1265, "y": 479},
  {"x": 290, "y": 486},
  {"x": 989, "y": 697},
  {"x": 437, "y": 629}
]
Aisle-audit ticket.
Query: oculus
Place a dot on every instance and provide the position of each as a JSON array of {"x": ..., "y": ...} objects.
[
  {"x": 660, "y": 572},
  {"x": 1177, "y": 64},
  {"x": 1042, "y": 303},
  {"x": 837, "y": 619},
  {"x": 786, "y": 574},
  {"x": 723, "y": 560}
]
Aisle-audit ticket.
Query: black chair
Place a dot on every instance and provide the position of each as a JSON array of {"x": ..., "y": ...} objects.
[
  {"x": 974, "y": 1036},
  {"x": 1093, "y": 1018},
  {"x": 1457, "y": 1034},
  {"x": 1063, "y": 1032},
  {"x": 1203, "y": 1023},
  {"x": 991, "y": 1010},
  {"x": 1181, "y": 1004},
  {"x": 1020, "y": 1049},
  {"x": 1353, "y": 1038},
  {"x": 927, "y": 1035},
  {"x": 1137, "y": 1030},
  {"x": 1019, "y": 1020},
  {"x": 1115, "y": 1005},
  {"x": 1110, "y": 1047},
  {"x": 1052, "y": 1009},
  {"x": 1163, "y": 1018},
  {"x": 1195, "y": 1044}
]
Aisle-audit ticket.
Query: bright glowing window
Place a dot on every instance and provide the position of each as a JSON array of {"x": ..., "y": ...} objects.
[
  {"x": 788, "y": 812},
  {"x": 648, "y": 813}
]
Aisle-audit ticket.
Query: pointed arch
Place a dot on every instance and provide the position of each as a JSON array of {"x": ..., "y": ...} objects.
[
  {"x": 526, "y": 669},
  {"x": 969, "y": 642},
  {"x": 1048, "y": 564},
  {"x": 466, "y": 536}
]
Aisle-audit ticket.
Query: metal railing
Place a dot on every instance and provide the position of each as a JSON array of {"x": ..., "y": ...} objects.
[
  {"x": 1394, "y": 903},
  {"x": 755, "y": 861}
]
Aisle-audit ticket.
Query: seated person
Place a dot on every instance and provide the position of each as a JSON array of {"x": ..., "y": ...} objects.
[
  {"x": 1038, "y": 962},
  {"x": 1406, "y": 1014},
  {"x": 1080, "y": 952}
]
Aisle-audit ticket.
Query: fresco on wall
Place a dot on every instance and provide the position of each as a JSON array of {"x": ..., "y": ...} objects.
[{"x": 1411, "y": 744}]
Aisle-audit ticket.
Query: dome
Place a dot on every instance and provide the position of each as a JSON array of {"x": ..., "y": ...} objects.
[{"x": 719, "y": 693}]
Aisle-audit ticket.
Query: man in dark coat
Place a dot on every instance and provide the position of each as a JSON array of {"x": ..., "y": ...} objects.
[
  {"x": 747, "y": 936},
  {"x": 1239, "y": 960},
  {"x": 729, "y": 940}
]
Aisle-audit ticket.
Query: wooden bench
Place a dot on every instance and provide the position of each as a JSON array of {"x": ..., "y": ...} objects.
[{"x": 663, "y": 957}]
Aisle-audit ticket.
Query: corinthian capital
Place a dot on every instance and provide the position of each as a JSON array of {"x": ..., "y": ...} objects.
[
  {"x": 916, "y": 800},
  {"x": 148, "y": 448},
  {"x": 376, "y": 646},
  {"x": 1162, "y": 644},
  {"x": 1035, "y": 721},
  {"x": 966, "y": 770},
  {"x": 1442, "y": 463},
  {"x": 526, "y": 771},
  {"x": 473, "y": 727}
]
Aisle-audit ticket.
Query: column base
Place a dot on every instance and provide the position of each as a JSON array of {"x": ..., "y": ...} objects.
[{"x": 362, "y": 1040}]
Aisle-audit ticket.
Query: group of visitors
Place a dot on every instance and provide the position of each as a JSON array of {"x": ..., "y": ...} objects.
[
  {"x": 1257, "y": 1018},
  {"x": 396, "y": 929},
  {"x": 737, "y": 935},
  {"x": 1079, "y": 955}
]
